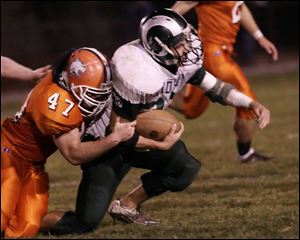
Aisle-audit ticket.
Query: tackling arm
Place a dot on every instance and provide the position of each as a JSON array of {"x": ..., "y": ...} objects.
[{"x": 77, "y": 152}]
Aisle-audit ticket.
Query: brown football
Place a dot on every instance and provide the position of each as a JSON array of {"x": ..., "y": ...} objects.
[{"x": 156, "y": 124}]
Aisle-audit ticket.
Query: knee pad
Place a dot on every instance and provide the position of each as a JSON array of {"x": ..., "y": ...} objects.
[
  {"x": 183, "y": 169},
  {"x": 178, "y": 174},
  {"x": 181, "y": 159},
  {"x": 185, "y": 177}
]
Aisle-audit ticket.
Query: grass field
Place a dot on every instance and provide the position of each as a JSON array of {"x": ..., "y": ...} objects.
[{"x": 227, "y": 200}]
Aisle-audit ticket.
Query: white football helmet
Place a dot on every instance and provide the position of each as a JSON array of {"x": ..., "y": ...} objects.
[
  {"x": 162, "y": 30},
  {"x": 87, "y": 75}
]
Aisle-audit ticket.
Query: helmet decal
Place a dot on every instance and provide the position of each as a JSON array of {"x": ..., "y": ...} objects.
[{"x": 77, "y": 68}]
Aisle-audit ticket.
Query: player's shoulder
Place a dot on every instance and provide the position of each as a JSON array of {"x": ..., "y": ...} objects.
[
  {"x": 133, "y": 47},
  {"x": 135, "y": 70},
  {"x": 53, "y": 108},
  {"x": 135, "y": 58}
]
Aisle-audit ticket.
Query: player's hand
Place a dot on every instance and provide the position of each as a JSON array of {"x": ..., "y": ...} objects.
[
  {"x": 123, "y": 131},
  {"x": 40, "y": 73},
  {"x": 269, "y": 47},
  {"x": 262, "y": 114},
  {"x": 171, "y": 138}
]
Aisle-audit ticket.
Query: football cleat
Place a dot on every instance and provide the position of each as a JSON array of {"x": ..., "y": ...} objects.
[
  {"x": 126, "y": 215},
  {"x": 254, "y": 157}
]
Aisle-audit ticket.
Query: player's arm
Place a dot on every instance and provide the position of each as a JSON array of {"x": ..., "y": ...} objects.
[
  {"x": 248, "y": 22},
  {"x": 12, "y": 69},
  {"x": 226, "y": 94},
  {"x": 182, "y": 7},
  {"x": 77, "y": 152},
  {"x": 165, "y": 144}
]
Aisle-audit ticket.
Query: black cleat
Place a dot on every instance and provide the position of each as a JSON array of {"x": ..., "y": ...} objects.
[{"x": 254, "y": 157}]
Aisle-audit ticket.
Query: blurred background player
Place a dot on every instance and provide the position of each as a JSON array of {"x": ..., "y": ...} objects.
[
  {"x": 55, "y": 115},
  {"x": 219, "y": 23},
  {"x": 14, "y": 70}
]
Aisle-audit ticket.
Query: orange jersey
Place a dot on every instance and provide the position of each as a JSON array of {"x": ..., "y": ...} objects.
[
  {"x": 48, "y": 110},
  {"x": 219, "y": 21}
]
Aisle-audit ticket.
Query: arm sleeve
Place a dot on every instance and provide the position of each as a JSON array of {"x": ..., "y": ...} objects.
[
  {"x": 124, "y": 108},
  {"x": 128, "y": 110},
  {"x": 224, "y": 93},
  {"x": 197, "y": 78},
  {"x": 130, "y": 143}
]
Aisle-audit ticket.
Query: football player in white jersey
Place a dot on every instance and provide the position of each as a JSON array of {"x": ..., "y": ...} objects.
[{"x": 147, "y": 73}]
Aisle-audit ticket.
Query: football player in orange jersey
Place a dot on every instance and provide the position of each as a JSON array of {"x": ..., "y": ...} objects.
[
  {"x": 12, "y": 69},
  {"x": 55, "y": 115},
  {"x": 219, "y": 22}
]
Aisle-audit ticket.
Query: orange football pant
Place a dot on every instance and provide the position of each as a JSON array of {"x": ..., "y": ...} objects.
[
  {"x": 24, "y": 194},
  {"x": 219, "y": 63}
]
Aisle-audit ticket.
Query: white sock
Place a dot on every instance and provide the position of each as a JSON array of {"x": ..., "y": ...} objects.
[{"x": 246, "y": 155}]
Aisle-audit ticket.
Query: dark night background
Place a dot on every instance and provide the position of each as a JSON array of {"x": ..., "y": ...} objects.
[{"x": 34, "y": 33}]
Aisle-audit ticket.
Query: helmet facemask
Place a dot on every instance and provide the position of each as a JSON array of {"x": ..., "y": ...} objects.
[
  {"x": 192, "y": 46},
  {"x": 92, "y": 101}
]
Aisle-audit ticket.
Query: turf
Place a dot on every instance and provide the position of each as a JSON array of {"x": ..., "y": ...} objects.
[{"x": 228, "y": 199}]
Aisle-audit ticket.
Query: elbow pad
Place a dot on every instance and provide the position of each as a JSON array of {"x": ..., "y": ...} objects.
[
  {"x": 130, "y": 143},
  {"x": 219, "y": 92}
]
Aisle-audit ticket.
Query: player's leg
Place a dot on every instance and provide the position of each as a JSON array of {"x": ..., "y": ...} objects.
[
  {"x": 100, "y": 179},
  {"x": 219, "y": 62},
  {"x": 191, "y": 102},
  {"x": 31, "y": 205},
  {"x": 172, "y": 170},
  {"x": 99, "y": 182},
  {"x": 10, "y": 184}
]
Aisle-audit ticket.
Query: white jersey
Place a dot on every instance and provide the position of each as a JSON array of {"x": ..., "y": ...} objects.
[
  {"x": 139, "y": 79},
  {"x": 100, "y": 127},
  {"x": 140, "y": 84}
]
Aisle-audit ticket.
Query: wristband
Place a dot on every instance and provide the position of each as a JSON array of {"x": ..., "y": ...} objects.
[
  {"x": 257, "y": 34},
  {"x": 130, "y": 143}
]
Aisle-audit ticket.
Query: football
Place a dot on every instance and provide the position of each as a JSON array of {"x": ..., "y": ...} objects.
[{"x": 156, "y": 124}]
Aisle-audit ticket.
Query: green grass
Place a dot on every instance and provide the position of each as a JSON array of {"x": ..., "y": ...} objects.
[{"x": 227, "y": 200}]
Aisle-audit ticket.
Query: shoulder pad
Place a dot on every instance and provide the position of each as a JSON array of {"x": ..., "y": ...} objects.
[
  {"x": 53, "y": 109},
  {"x": 135, "y": 74}
]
